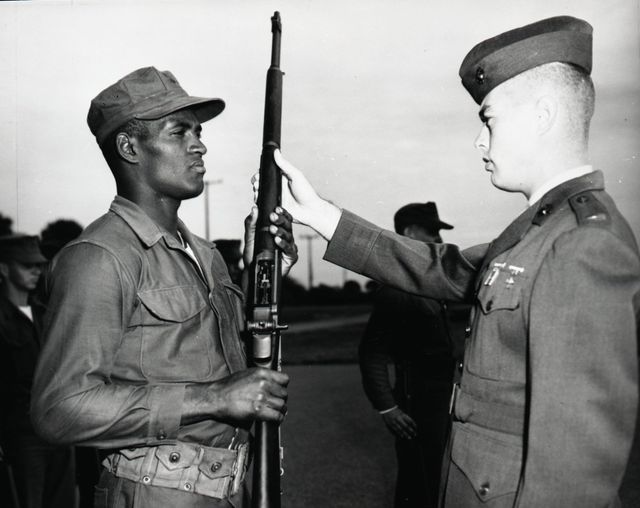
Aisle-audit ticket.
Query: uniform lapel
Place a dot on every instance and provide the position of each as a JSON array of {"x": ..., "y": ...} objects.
[{"x": 510, "y": 236}]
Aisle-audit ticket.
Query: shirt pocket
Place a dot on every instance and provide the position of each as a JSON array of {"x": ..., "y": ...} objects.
[
  {"x": 490, "y": 463},
  {"x": 499, "y": 297},
  {"x": 174, "y": 340}
]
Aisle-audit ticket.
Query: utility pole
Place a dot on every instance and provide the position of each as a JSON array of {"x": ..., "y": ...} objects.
[
  {"x": 207, "y": 183},
  {"x": 309, "y": 239}
]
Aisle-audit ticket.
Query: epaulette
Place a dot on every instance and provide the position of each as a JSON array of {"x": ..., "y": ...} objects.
[{"x": 588, "y": 209}]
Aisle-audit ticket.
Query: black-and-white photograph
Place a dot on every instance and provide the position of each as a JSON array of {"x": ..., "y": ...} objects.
[{"x": 307, "y": 253}]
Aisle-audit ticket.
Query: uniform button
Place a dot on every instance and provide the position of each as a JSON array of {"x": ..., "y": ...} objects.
[
  {"x": 161, "y": 435},
  {"x": 467, "y": 332},
  {"x": 215, "y": 466},
  {"x": 490, "y": 305},
  {"x": 174, "y": 457},
  {"x": 484, "y": 489},
  {"x": 146, "y": 479},
  {"x": 187, "y": 486}
]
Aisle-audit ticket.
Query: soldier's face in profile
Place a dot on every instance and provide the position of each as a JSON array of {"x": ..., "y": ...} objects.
[
  {"x": 23, "y": 276},
  {"x": 172, "y": 156},
  {"x": 507, "y": 138}
]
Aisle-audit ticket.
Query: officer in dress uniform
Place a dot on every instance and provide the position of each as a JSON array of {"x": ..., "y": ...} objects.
[{"x": 545, "y": 410}]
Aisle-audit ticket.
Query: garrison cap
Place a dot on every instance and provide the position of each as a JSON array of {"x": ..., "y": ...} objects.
[
  {"x": 21, "y": 248},
  {"x": 496, "y": 60},
  {"x": 422, "y": 214},
  {"x": 145, "y": 94}
]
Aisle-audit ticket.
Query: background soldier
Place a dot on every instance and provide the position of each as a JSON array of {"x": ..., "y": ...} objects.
[
  {"x": 413, "y": 334},
  {"x": 44, "y": 473}
]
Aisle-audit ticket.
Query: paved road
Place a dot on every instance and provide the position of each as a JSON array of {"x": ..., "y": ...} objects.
[{"x": 337, "y": 451}]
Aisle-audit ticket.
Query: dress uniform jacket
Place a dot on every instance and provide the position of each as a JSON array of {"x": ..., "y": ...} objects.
[{"x": 545, "y": 410}]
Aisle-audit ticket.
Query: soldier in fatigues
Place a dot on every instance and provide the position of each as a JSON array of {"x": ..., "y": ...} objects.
[{"x": 545, "y": 410}]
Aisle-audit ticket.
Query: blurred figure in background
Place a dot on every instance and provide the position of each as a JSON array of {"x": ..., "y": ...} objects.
[
  {"x": 44, "y": 474},
  {"x": 412, "y": 333},
  {"x": 57, "y": 234}
]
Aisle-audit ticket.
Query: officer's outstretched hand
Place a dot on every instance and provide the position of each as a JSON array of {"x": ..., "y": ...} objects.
[
  {"x": 251, "y": 394},
  {"x": 302, "y": 201},
  {"x": 400, "y": 424},
  {"x": 282, "y": 231}
]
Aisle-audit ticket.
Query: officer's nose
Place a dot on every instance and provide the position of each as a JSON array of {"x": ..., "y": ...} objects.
[{"x": 482, "y": 139}]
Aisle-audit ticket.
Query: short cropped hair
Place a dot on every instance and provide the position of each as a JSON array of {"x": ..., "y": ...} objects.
[{"x": 574, "y": 87}]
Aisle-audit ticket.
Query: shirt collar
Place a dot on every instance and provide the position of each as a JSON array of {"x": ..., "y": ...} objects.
[
  {"x": 565, "y": 176},
  {"x": 141, "y": 224}
]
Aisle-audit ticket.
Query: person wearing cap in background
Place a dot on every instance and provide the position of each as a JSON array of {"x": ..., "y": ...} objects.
[
  {"x": 43, "y": 473},
  {"x": 545, "y": 410},
  {"x": 412, "y": 333},
  {"x": 143, "y": 357}
]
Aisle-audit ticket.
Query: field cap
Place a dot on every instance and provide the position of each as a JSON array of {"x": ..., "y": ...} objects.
[
  {"x": 21, "y": 248},
  {"x": 494, "y": 61},
  {"x": 422, "y": 214},
  {"x": 145, "y": 94}
]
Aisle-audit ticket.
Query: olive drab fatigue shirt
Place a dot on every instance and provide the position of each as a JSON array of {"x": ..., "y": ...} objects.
[
  {"x": 545, "y": 411},
  {"x": 131, "y": 321}
]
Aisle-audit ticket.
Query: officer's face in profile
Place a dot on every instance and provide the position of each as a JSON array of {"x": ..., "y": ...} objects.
[
  {"x": 507, "y": 137},
  {"x": 422, "y": 234}
]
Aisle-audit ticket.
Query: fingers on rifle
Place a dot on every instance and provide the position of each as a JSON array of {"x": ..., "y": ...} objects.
[{"x": 286, "y": 167}]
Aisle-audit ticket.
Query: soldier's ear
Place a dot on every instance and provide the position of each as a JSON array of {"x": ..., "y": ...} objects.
[
  {"x": 546, "y": 113},
  {"x": 126, "y": 147}
]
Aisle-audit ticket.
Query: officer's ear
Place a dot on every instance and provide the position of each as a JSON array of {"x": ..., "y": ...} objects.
[
  {"x": 546, "y": 113},
  {"x": 126, "y": 147}
]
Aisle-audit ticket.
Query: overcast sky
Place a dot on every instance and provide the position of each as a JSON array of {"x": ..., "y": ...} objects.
[{"x": 374, "y": 111}]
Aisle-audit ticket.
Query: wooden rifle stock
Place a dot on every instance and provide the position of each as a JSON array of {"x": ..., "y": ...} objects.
[{"x": 265, "y": 283}]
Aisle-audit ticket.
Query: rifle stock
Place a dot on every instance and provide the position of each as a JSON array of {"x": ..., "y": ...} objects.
[{"x": 265, "y": 283}]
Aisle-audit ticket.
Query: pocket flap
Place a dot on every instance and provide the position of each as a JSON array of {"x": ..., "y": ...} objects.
[
  {"x": 217, "y": 463},
  {"x": 499, "y": 299},
  {"x": 175, "y": 304},
  {"x": 176, "y": 457},
  {"x": 492, "y": 466},
  {"x": 133, "y": 453}
]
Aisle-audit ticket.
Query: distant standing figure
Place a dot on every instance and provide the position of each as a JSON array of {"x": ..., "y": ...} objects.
[
  {"x": 44, "y": 473},
  {"x": 411, "y": 332}
]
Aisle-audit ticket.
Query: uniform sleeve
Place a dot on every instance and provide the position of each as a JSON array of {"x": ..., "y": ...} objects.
[
  {"x": 75, "y": 399},
  {"x": 583, "y": 371},
  {"x": 439, "y": 271},
  {"x": 375, "y": 355}
]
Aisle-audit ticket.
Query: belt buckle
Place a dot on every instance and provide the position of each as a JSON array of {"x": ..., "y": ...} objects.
[{"x": 239, "y": 468}]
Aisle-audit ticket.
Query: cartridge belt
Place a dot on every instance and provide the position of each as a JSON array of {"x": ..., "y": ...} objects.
[{"x": 213, "y": 472}]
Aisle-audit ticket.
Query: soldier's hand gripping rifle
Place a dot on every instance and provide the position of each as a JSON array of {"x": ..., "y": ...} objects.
[{"x": 264, "y": 290}]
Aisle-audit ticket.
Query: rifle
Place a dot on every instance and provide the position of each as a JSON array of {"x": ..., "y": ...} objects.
[{"x": 265, "y": 283}]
